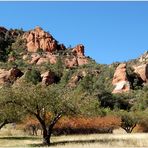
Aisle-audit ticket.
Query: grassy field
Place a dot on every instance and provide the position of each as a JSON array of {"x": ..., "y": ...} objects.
[{"x": 15, "y": 138}]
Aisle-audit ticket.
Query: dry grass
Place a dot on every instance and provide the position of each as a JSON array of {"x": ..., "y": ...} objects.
[{"x": 16, "y": 138}]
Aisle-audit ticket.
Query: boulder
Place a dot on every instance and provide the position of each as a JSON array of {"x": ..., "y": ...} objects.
[
  {"x": 4, "y": 76},
  {"x": 7, "y": 76},
  {"x": 34, "y": 58},
  {"x": 76, "y": 78},
  {"x": 43, "y": 60},
  {"x": 48, "y": 78},
  {"x": 120, "y": 80},
  {"x": 25, "y": 57},
  {"x": 142, "y": 71},
  {"x": 75, "y": 61}
]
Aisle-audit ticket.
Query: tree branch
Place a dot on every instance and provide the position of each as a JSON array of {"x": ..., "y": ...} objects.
[
  {"x": 3, "y": 123},
  {"x": 54, "y": 121}
]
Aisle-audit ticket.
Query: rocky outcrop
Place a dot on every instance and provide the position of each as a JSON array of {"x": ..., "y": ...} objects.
[
  {"x": 76, "y": 78},
  {"x": 78, "y": 50},
  {"x": 142, "y": 71},
  {"x": 48, "y": 78},
  {"x": 34, "y": 58},
  {"x": 39, "y": 39},
  {"x": 120, "y": 80},
  {"x": 43, "y": 60},
  {"x": 144, "y": 58},
  {"x": 82, "y": 61},
  {"x": 9, "y": 76},
  {"x": 71, "y": 62},
  {"x": 78, "y": 59},
  {"x": 52, "y": 58}
]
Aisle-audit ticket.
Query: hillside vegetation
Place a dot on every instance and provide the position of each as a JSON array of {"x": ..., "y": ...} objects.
[{"x": 65, "y": 92}]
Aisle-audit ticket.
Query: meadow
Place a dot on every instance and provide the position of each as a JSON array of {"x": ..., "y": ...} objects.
[{"x": 16, "y": 138}]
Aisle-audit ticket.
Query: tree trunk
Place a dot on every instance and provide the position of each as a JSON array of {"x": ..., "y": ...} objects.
[
  {"x": 46, "y": 137},
  {"x": 47, "y": 130}
]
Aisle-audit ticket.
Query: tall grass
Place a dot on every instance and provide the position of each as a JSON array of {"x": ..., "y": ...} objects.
[{"x": 79, "y": 141}]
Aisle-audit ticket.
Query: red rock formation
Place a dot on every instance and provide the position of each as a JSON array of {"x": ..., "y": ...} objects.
[
  {"x": 9, "y": 76},
  {"x": 52, "y": 58},
  {"x": 78, "y": 50},
  {"x": 82, "y": 60},
  {"x": 142, "y": 71},
  {"x": 71, "y": 62},
  {"x": 43, "y": 60},
  {"x": 48, "y": 78},
  {"x": 39, "y": 39},
  {"x": 120, "y": 80},
  {"x": 34, "y": 58}
]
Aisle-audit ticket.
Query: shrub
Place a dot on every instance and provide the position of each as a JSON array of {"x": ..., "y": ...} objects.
[{"x": 33, "y": 75}]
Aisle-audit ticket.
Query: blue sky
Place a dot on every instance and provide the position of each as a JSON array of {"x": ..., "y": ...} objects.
[{"x": 110, "y": 31}]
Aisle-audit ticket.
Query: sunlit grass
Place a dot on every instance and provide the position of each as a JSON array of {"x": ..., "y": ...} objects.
[
  {"x": 79, "y": 141},
  {"x": 17, "y": 138}
]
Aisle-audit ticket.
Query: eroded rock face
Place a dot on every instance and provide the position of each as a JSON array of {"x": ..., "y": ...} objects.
[
  {"x": 142, "y": 71},
  {"x": 78, "y": 50},
  {"x": 120, "y": 80},
  {"x": 38, "y": 59},
  {"x": 39, "y": 39},
  {"x": 71, "y": 62},
  {"x": 48, "y": 78},
  {"x": 7, "y": 76}
]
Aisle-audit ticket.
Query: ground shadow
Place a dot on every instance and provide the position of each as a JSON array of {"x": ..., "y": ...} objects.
[
  {"x": 19, "y": 138},
  {"x": 101, "y": 141}
]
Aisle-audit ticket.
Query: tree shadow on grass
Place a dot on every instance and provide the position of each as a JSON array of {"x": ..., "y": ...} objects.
[
  {"x": 19, "y": 138},
  {"x": 100, "y": 141}
]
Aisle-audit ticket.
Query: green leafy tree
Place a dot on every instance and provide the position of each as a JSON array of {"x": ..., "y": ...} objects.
[
  {"x": 33, "y": 75},
  {"x": 9, "y": 113},
  {"x": 129, "y": 120},
  {"x": 39, "y": 101}
]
